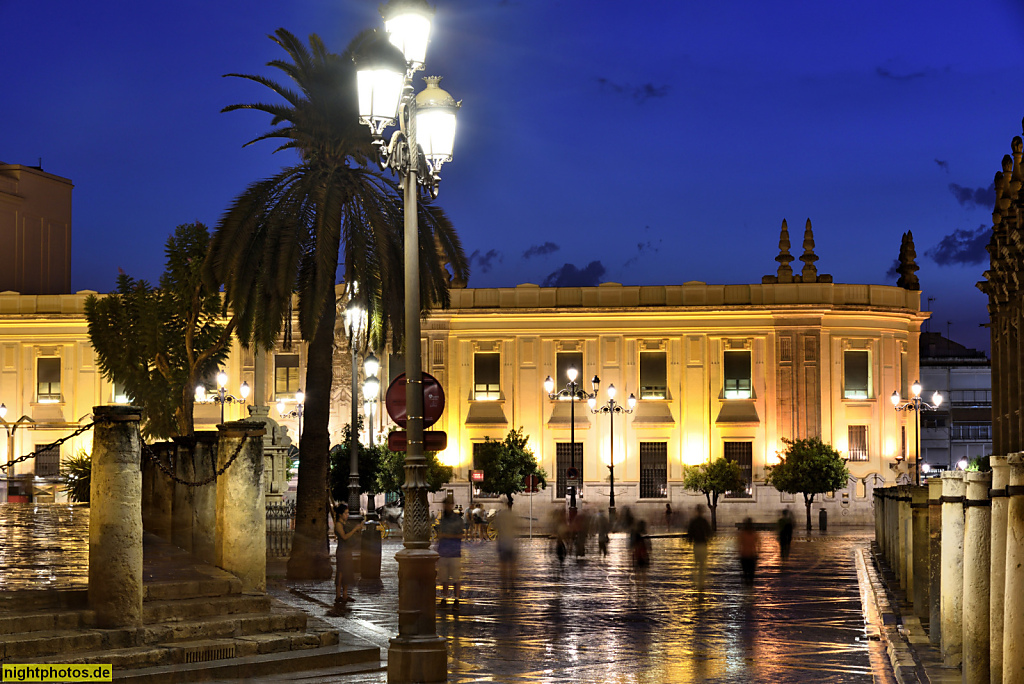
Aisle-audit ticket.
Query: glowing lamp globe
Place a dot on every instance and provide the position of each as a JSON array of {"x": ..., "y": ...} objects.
[
  {"x": 380, "y": 78},
  {"x": 435, "y": 122},
  {"x": 408, "y": 25}
]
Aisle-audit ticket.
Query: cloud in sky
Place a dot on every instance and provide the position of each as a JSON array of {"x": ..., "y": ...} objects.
[
  {"x": 943, "y": 164},
  {"x": 540, "y": 250},
  {"x": 962, "y": 247},
  {"x": 642, "y": 248},
  {"x": 485, "y": 261},
  {"x": 570, "y": 276},
  {"x": 640, "y": 93},
  {"x": 984, "y": 198},
  {"x": 893, "y": 271}
]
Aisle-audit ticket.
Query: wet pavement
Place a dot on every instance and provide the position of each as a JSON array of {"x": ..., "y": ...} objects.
[
  {"x": 596, "y": 620},
  {"x": 43, "y": 546}
]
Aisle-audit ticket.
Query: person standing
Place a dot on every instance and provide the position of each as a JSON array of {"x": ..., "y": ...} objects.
[
  {"x": 699, "y": 531},
  {"x": 507, "y": 535},
  {"x": 346, "y": 534},
  {"x": 449, "y": 548},
  {"x": 604, "y": 528},
  {"x": 746, "y": 544},
  {"x": 786, "y": 526},
  {"x": 640, "y": 547}
]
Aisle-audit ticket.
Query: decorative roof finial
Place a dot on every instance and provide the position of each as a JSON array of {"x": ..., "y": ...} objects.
[
  {"x": 907, "y": 267},
  {"x": 785, "y": 272},
  {"x": 809, "y": 274}
]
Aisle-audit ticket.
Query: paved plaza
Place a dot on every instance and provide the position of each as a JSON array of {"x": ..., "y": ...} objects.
[{"x": 596, "y": 620}]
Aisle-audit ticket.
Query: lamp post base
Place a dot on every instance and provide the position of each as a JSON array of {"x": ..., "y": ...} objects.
[{"x": 417, "y": 654}]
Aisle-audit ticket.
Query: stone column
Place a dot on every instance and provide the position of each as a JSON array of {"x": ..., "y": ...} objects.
[
  {"x": 181, "y": 512},
  {"x": 147, "y": 494},
  {"x": 115, "y": 518},
  {"x": 878, "y": 510},
  {"x": 953, "y": 489},
  {"x": 1013, "y": 593},
  {"x": 241, "y": 544},
  {"x": 935, "y": 560},
  {"x": 921, "y": 551},
  {"x": 204, "y": 499},
  {"x": 997, "y": 576},
  {"x": 163, "y": 491},
  {"x": 977, "y": 567},
  {"x": 904, "y": 545}
]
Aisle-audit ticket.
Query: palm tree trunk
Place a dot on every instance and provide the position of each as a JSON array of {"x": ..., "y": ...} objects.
[{"x": 310, "y": 557}]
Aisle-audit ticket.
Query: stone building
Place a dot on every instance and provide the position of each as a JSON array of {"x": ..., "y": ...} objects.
[{"x": 35, "y": 229}]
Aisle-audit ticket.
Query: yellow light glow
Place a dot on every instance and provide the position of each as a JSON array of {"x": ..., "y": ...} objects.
[
  {"x": 694, "y": 454},
  {"x": 889, "y": 450},
  {"x": 449, "y": 457}
]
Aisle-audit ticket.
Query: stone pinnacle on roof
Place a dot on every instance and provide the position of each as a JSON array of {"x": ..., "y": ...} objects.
[
  {"x": 785, "y": 272},
  {"x": 809, "y": 274},
  {"x": 907, "y": 267}
]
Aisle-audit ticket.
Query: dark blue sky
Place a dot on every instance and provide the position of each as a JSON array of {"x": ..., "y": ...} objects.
[{"x": 642, "y": 143}]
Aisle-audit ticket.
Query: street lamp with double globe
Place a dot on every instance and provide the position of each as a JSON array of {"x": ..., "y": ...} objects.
[
  {"x": 611, "y": 407},
  {"x": 222, "y": 397},
  {"x": 416, "y": 151},
  {"x": 916, "y": 404},
  {"x": 572, "y": 392}
]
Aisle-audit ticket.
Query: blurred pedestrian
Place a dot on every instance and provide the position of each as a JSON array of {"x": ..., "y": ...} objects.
[
  {"x": 507, "y": 534},
  {"x": 604, "y": 528},
  {"x": 699, "y": 531},
  {"x": 346, "y": 534},
  {"x": 786, "y": 525},
  {"x": 478, "y": 521},
  {"x": 640, "y": 547},
  {"x": 746, "y": 544},
  {"x": 668, "y": 516},
  {"x": 449, "y": 548}
]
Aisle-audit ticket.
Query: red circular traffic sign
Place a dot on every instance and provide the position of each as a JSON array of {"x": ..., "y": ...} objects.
[{"x": 433, "y": 400}]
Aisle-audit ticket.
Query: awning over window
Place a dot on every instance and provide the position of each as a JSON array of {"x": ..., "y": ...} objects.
[{"x": 738, "y": 412}]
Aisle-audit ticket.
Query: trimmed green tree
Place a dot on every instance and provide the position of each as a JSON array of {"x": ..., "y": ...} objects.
[
  {"x": 809, "y": 467},
  {"x": 370, "y": 458},
  {"x": 507, "y": 463},
  {"x": 158, "y": 343},
  {"x": 712, "y": 479}
]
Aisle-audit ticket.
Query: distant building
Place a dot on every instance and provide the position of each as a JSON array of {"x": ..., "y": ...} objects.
[
  {"x": 962, "y": 427},
  {"x": 35, "y": 231}
]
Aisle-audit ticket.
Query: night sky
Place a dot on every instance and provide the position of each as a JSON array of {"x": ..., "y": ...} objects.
[{"x": 639, "y": 143}]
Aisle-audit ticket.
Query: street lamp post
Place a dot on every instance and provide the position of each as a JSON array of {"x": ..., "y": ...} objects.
[
  {"x": 611, "y": 407},
  {"x": 222, "y": 397},
  {"x": 572, "y": 392},
  {"x": 415, "y": 153},
  {"x": 916, "y": 404},
  {"x": 11, "y": 429},
  {"x": 283, "y": 412},
  {"x": 355, "y": 327}
]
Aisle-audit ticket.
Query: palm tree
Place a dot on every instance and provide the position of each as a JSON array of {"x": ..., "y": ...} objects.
[{"x": 284, "y": 235}]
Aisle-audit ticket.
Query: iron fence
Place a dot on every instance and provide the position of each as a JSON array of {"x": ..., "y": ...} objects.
[{"x": 280, "y": 525}]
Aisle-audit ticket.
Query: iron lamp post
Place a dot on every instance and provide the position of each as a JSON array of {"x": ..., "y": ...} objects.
[
  {"x": 11, "y": 429},
  {"x": 371, "y": 542},
  {"x": 572, "y": 392},
  {"x": 916, "y": 404},
  {"x": 610, "y": 407},
  {"x": 355, "y": 329},
  {"x": 283, "y": 412},
  {"x": 416, "y": 151},
  {"x": 222, "y": 397}
]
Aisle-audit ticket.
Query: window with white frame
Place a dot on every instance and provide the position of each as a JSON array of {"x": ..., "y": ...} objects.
[
  {"x": 487, "y": 376},
  {"x": 653, "y": 375},
  {"x": 736, "y": 369},
  {"x": 856, "y": 378},
  {"x": 48, "y": 380},
  {"x": 858, "y": 442}
]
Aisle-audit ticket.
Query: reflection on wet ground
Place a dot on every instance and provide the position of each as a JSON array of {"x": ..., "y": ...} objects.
[
  {"x": 597, "y": 620},
  {"x": 43, "y": 546}
]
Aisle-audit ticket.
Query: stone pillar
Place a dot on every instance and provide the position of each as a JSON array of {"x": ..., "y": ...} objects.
[
  {"x": 115, "y": 518},
  {"x": 921, "y": 551},
  {"x": 147, "y": 494},
  {"x": 241, "y": 544},
  {"x": 890, "y": 528},
  {"x": 904, "y": 545},
  {"x": 163, "y": 491},
  {"x": 997, "y": 576},
  {"x": 181, "y": 511},
  {"x": 977, "y": 567},
  {"x": 204, "y": 499},
  {"x": 1013, "y": 593},
  {"x": 878, "y": 510},
  {"x": 953, "y": 489},
  {"x": 935, "y": 560}
]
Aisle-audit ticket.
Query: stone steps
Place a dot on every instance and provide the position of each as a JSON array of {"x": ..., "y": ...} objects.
[
  {"x": 21, "y": 623},
  {"x": 172, "y": 610}
]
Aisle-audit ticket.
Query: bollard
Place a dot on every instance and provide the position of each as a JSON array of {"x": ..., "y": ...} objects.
[
  {"x": 977, "y": 561},
  {"x": 822, "y": 520},
  {"x": 1013, "y": 593},
  {"x": 920, "y": 551},
  {"x": 241, "y": 543},
  {"x": 935, "y": 560},
  {"x": 181, "y": 510},
  {"x": 953, "y": 489},
  {"x": 902, "y": 538},
  {"x": 997, "y": 576},
  {"x": 204, "y": 499},
  {"x": 115, "y": 518}
]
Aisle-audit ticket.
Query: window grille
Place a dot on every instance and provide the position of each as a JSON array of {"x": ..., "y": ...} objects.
[
  {"x": 653, "y": 470},
  {"x": 743, "y": 454},
  {"x": 562, "y": 453},
  {"x": 48, "y": 462},
  {"x": 858, "y": 442}
]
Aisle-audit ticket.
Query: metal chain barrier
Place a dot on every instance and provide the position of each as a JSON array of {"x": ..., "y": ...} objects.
[
  {"x": 4, "y": 467},
  {"x": 151, "y": 455}
]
